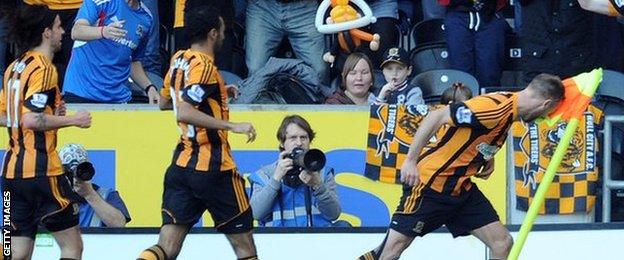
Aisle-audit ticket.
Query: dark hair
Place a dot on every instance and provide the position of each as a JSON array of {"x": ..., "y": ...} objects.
[
  {"x": 27, "y": 23},
  {"x": 458, "y": 92},
  {"x": 548, "y": 86},
  {"x": 198, "y": 21},
  {"x": 297, "y": 120},
  {"x": 349, "y": 65}
]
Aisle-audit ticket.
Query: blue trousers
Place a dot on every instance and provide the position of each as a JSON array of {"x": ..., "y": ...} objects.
[{"x": 480, "y": 51}]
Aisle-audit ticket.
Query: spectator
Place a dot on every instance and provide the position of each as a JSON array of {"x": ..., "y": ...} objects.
[
  {"x": 152, "y": 60},
  {"x": 556, "y": 38},
  {"x": 458, "y": 92},
  {"x": 278, "y": 196},
  {"x": 396, "y": 69},
  {"x": 475, "y": 35},
  {"x": 357, "y": 80},
  {"x": 66, "y": 10},
  {"x": 110, "y": 42},
  {"x": 223, "y": 59},
  {"x": 99, "y": 207},
  {"x": 268, "y": 21}
]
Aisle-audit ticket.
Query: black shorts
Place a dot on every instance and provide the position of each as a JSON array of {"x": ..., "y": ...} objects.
[
  {"x": 46, "y": 200},
  {"x": 188, "y": 193},
  {"x": 461, "y": 214}
]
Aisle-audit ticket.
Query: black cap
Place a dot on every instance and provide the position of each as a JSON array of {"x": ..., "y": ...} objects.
[{"x": 398, "y": 55}]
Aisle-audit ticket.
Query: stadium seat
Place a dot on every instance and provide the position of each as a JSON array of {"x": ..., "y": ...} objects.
[
  {"x": 612, "y": 84},
  {"x": 434, "y": 82},
  {"x": 429, "y": 57},
  {"x": 428, "y": 32}
]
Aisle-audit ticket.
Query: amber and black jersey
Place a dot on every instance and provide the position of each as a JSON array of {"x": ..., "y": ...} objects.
[
  {"x": 478, "y": 128},
  {"x": 193, "y": 78},
  {"x": 30, "y": 86}
]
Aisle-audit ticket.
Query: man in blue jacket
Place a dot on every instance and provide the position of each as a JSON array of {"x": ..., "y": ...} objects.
[{"x": 279, "y": 189}]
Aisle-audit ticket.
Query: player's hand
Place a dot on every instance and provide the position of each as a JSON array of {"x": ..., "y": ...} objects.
[
  {"x": 245, "y": 128},
  {"x": 153, "y": 96},
  {"x": 83, "y": 188},
  {"x": 61, "y": 109},
  {"x": 486, "y": 171},
  {"x": 114, "y": 30},
  {"x": 232, "y": 91},
  {"x": 313, "y": 179},
  {"x": 82, "y": 119},
  {"x": 284, "y": 165},
  {"x": 409, "y": 173}
]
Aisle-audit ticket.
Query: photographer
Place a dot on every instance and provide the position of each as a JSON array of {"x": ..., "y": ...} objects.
[
  {"x": 284, "y": 194},
  {"x": 99, "y": 207}
]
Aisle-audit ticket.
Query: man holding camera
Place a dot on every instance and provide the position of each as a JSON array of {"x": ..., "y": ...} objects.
[
  {"x": 285, "y": 193},
  {"x": 99, "y": 206}
]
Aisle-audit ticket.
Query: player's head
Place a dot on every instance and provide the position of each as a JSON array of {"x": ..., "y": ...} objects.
[
  {"x": 203, "y": 24},
  {"x": 458, "y": 92},
  {"x": 543, "y": 94},
  {"x": 295, "y": 132},
  {"x": 35, "y": 25}
]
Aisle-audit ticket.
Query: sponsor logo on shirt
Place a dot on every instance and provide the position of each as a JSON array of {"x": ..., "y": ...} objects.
[{"x": 196, "y": 93}]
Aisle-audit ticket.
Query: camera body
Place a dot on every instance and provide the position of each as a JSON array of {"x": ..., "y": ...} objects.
[{"x": 310, "y": 160}]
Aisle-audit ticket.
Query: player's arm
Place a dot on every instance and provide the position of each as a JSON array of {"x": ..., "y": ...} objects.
[
  {"x": 429, "y": 126},
  {"x": 187, "y": 112},
  {"x": 605, "y": 7},
  {"x": 45, "y": 122}
]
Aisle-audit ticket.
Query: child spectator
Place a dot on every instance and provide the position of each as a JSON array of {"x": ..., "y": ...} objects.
[{"x": 396, "y": 69}]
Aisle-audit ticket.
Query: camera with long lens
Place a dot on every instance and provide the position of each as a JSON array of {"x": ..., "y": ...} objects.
[
  {"x": 310, "y": 160},
  {"x": 76, "y": 162}
]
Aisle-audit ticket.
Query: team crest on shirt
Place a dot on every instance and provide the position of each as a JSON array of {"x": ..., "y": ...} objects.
[
  {"x": 39, "y": 100},
  {"x": 196, "y": 93},
  {"x": 488, "y": 151},
  {"x": 463, "y": 115}
]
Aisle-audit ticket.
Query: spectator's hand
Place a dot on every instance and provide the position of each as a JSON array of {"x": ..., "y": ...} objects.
[
  {"x": 153, "y": 96},
  {"x": 82, "y": 119},
  {"x": 387, "y": 88},
  {"x": 245, "y": 128},
  {"x": 61, "y": 110},
  {"x": 486, "y": 171},
  {"x": 409, "y": 173},
  {"x": 284, "y": 165},
  {"x": 114, "y": 30},
  {"x": 313, "y": 179},
  {"x": 83, "y": 188},
  {"x": 232, "y": 91}
]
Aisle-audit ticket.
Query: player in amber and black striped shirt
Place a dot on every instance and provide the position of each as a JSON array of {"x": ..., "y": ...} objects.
[
  {"x": 32, "y": 110},
  {"x": 202, "y": 175},
  {"x": 437, "y": 188}
]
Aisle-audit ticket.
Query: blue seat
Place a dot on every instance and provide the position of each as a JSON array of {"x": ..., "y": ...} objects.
[{"x": 229, "y": 77}]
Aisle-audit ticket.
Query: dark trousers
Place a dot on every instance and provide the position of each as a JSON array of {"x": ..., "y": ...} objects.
[{"x": 478, "y": 52}]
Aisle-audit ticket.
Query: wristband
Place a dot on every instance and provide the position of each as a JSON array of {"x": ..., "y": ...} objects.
[
  {"x": 102, "y": 31},
  {"x": 148, "y": 88}
]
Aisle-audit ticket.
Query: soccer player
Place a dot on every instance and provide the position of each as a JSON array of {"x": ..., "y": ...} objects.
[
  {"x": 606, "y": 7},
  {"x": 32, "y": 110},
  {"x": 202, "y": 175},
  {"x": 437, "y": 188}
]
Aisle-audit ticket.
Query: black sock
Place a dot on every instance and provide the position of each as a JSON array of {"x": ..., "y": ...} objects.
[{"x": 253, "y": 257}]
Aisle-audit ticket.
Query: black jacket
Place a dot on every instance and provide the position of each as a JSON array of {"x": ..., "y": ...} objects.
[{"x": 557, "y": 38}]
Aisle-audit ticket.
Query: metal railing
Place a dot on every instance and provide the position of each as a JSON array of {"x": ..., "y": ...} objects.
[{"x": 608, "y": 184}]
